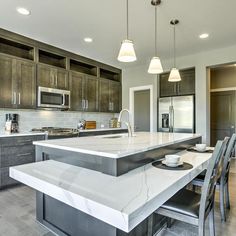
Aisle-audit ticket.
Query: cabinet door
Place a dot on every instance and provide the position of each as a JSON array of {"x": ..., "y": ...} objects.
[
  {"x": 187, "y": 84},
  {"x": 46, "y": 76},
  {"x": 61, "y": 79},
  {"x": 91, "y": 91},
  {"x": 115, "y": 96},
  {"x": 104, "y": 102},
  {"x": 76, "y": 91},
  {"x": 7, "y": 96},
  {"x": 167, "y": 88},
  {"x": 26, "y": 84}
]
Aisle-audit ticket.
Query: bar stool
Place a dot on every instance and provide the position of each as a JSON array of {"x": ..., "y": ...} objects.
[
  {"x": 223, "y": 180},
  {"x": 191, "y": 207}
]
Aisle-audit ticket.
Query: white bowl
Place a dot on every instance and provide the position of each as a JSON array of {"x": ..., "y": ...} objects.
[
  {"x": 201, "y": 147},
  {"x": 172, "y": 159}
]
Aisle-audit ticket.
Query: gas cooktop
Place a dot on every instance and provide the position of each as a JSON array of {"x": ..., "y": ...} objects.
[{"x": 56, "y": 132}]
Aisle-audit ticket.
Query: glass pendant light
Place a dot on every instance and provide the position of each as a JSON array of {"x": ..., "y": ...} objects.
[
  {"x": 127, "y": 53},
  {"x": 155, "y": 66},
  {"x": 174, "y": 74}
]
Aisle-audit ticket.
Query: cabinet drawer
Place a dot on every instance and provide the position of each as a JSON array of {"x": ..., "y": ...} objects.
[
  {"x": 17, "y": 155},
  {"x": 5, "y": 179},
  {"x": 20, "y": 140}
]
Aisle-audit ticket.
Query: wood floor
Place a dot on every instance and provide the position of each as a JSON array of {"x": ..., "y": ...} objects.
[{"x": 17, "y": 214}]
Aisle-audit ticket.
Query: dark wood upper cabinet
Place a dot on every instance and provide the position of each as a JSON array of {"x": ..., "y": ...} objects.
[
  {"x": 185, "y": 87},
  {"x": 6, "y": 82},
  {"x": 51, "y": 77},
  {"x": 26, "y": 64},
  {"x": 17, "y": 79},
  {"x": 76, "y": 89},
  {"x": 109, "y": 96},
  {"x": 26, "y": 84},
  {"x": 84, "y": 92}
]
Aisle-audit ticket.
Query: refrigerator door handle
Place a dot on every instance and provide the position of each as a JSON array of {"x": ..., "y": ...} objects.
[{"x": 171, "y": 111}]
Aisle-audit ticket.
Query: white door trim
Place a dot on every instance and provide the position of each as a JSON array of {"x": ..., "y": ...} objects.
[{"x": 131, "y": 103}]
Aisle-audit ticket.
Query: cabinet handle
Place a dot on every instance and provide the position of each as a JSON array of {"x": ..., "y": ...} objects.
[
  {"x": 23, "y": 154},
  {"x": 83, "y": 104},
  {"x": 112, "y": 106},
  {"x": 56, "y": 80},
  {"x": 19, "y": 98},
  {"x": 87, "y": 104},
  {"x": 14, "y": 98}
]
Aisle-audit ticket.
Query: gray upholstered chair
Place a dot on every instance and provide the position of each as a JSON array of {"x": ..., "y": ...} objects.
[
  {"x": 223, "y": 180},
  {"x": 191, "y": 207}
]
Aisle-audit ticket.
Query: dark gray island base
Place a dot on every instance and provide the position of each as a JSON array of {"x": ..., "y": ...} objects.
[
  {"x": 68, "y": 221},
  {"x": 108, "y": 165}
]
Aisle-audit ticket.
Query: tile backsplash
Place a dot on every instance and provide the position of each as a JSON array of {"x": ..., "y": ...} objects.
[{"x": 29, "y": 119}]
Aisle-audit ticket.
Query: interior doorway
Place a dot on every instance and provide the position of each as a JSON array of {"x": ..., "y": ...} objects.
[
  {"x": 141, "y": 107},
  {"x": 222, "y": 102}
]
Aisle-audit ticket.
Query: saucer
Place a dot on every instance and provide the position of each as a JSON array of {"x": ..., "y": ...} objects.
[
  {"x": 197, "y": 150},
  {"x": 172, "y": 164}
]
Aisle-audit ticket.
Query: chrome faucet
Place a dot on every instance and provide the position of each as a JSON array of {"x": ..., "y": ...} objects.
[{"x": 130, "y": 133}]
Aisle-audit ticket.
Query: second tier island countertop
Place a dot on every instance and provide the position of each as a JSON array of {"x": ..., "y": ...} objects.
[{"x": 114, "y": 154}]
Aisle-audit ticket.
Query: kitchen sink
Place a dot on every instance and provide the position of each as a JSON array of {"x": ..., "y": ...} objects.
[{"x": 115, "y": 136}]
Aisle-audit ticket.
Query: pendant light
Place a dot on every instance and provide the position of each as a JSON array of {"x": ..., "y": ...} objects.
[
  {"x": 174, "y": 74},
  {"x": 155, "y": 66},
  {"x": 127, "y": 53}
]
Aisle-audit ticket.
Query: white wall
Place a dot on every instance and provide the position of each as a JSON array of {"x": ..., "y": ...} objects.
[{"x": 138, "y": 76}]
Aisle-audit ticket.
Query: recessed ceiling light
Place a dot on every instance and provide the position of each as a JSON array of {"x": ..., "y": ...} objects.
[
  {"x": 88, "y": 40},
  {"x": 23, "y": 11},
  {"x": 203, "y": 36}
]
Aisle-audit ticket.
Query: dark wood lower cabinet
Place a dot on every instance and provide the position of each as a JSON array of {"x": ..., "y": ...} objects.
[{"x": 15, "y": 151}]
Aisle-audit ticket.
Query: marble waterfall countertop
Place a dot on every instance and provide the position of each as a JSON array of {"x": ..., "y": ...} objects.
[
  {"x": 123, "y": 201},
  {"x": 117, "y": 145}
]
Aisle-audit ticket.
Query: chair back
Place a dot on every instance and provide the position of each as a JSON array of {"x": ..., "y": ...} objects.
[
  {"x": 227, "y": 158},
  {"x": 208, "y": 189}
]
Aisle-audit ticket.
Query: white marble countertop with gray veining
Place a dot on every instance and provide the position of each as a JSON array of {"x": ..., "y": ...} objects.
[
  {"x": 117, "y": 145},
  {"x": 123, "y": 201},
  {"x": 6, "y": 134}
]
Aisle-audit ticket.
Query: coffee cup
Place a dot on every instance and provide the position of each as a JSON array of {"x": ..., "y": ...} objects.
[
  {"x": 201, "y": 147},
  {"x": 172, "y": 159}
]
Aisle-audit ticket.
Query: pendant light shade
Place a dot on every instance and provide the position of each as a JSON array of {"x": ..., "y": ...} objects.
[
  {"x": 127, "y": 53},
  {"x": 174, "y": 74},
  {"x": 155, "y": 66}
]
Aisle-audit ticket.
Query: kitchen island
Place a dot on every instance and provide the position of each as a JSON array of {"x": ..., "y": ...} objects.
[
  {"x": 114, "y": 154},
  {"x": 73, "y": 200}
]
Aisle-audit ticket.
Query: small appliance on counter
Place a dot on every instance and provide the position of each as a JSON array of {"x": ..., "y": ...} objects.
[
  {"x": 11, "y": 125},
  {"x": 81, "y": 124},
  {"x": 113, "y": 123}
]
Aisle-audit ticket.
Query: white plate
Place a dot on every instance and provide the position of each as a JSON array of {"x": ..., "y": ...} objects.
[
  {"x": 207, "y": 149},
  {"x": 172, "y": 164}
]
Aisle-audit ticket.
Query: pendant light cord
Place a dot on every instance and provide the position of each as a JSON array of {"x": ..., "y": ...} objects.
[
  {"x": 127, "y": 18},
  {"x": 155, "y": 31},
  {"x": 174, "y": 48}
]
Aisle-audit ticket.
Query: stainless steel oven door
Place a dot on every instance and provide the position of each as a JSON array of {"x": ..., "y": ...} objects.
[{"x": 53, "y": 98}]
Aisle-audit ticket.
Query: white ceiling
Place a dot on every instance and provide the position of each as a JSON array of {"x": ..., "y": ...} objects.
[{"x": 64, "y": 23}]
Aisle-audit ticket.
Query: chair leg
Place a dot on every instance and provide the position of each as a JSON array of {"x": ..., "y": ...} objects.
[
  {"x": 212, "y": 222},
  {"x": 222, "y": 202},
  {"x": 201, "y": 228},
  {"x": 168, "y": 222},
  {"x": 227, "y": 195}
]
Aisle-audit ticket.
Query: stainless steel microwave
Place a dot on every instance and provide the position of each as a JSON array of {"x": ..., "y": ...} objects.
[{"x": 53, "y": 98}]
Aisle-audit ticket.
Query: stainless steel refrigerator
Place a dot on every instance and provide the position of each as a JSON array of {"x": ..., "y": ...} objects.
[{"x": 176, "y": 114}]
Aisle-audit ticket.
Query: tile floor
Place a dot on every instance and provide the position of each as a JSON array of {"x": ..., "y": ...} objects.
[{"x": 17, "y": 214}]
